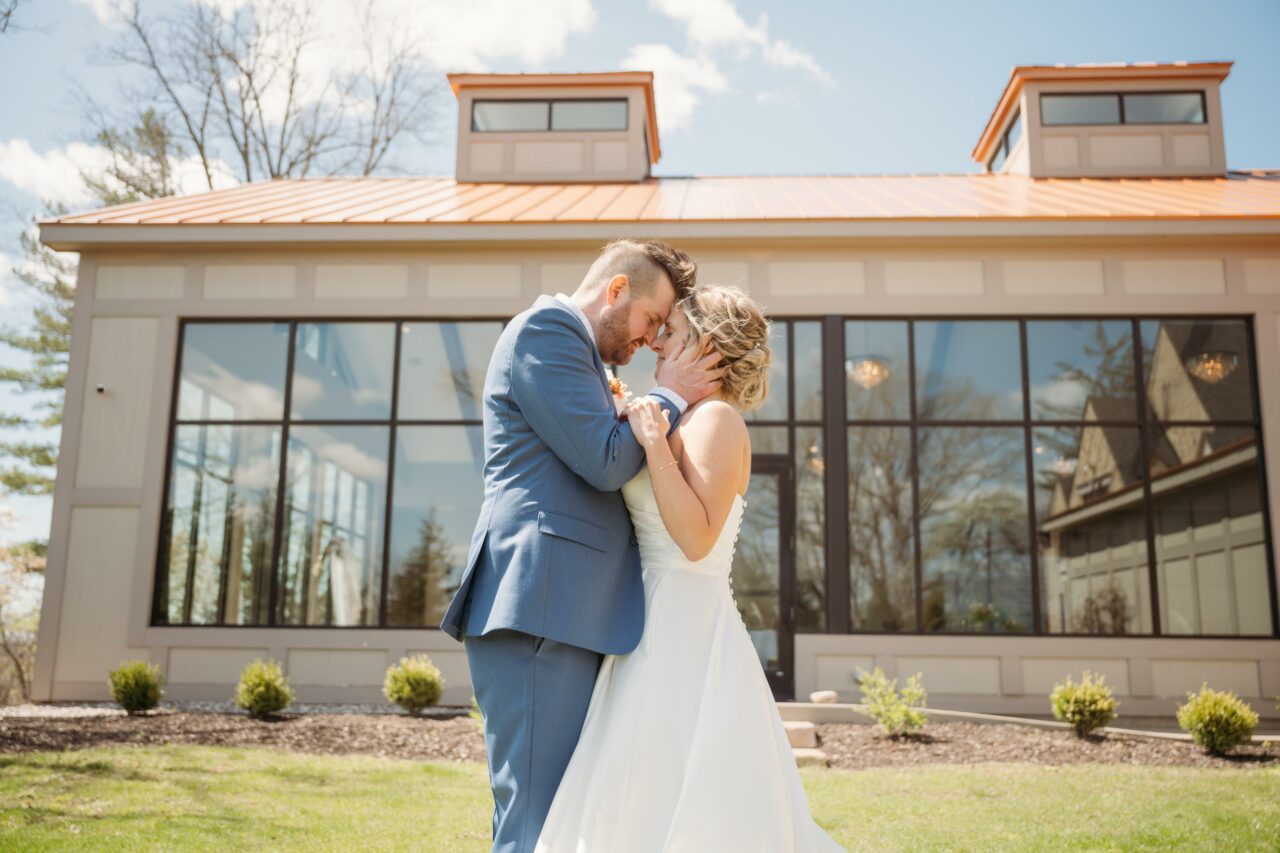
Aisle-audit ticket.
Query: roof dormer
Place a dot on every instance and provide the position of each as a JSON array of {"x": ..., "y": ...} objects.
[
  {"x": 530, "y": 128},
  {"x": 1102, "y": 121}
]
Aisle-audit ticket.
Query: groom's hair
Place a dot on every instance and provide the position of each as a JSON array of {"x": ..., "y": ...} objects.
[{"x": 643, "y": 262}]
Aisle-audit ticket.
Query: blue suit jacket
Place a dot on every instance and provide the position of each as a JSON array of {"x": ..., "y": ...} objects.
[{"x": 553, "y": 553}]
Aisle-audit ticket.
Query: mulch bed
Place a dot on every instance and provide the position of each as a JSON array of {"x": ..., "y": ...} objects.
[{"x": 850, "y": 746}]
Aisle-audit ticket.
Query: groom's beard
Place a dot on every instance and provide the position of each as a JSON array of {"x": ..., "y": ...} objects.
[{"x": 613, "y": 343}]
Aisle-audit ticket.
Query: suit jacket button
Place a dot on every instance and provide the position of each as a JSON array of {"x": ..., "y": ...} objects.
[{"x": 634, "y": 540}]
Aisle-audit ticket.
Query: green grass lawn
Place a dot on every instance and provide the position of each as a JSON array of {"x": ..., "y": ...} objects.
[{"x": 222, "y": 798}]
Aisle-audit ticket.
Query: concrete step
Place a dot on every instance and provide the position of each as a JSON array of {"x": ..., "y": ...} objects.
[
  {"x": 803, "y": 735},
  {"x": 811, "y": 758}
]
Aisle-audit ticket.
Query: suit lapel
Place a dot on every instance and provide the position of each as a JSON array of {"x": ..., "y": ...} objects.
[{"x": 586, "y": 339}]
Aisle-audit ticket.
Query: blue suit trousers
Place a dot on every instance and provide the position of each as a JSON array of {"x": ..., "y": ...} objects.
[{"x": 533, "y": 693}]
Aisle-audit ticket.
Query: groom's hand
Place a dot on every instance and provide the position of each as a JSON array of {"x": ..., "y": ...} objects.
[{"x": 690, "y": 374}]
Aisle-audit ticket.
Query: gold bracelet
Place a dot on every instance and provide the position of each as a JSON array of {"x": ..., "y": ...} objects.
[{"x": 668, "y": 465}]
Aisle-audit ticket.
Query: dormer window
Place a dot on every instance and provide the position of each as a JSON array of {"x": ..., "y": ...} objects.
[
  {"x": 556, "y": 128},
  {"x": 1007, "y": 140},
  {"x": 1122, "y": 108},
  {"x": 491, "y": 116}
]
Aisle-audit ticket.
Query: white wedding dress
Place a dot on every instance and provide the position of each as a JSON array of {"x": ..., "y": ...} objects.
[{"x": 682, "y": 749}]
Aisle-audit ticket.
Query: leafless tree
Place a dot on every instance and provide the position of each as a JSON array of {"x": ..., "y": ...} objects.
[
  {"x": 7, "y": 10},
  {"x": 257, "y": 87}
]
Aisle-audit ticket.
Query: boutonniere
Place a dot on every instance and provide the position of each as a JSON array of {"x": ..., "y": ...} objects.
[{"x": 621, "y": 394}]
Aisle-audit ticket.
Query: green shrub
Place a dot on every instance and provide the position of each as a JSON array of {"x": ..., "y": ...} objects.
[
  {"x": 413, "y": 684},
  {"x": 263, "y": 689},
  {"x": 1086, "y": 706},
  {"x": 896, "y": 714},
  {"x": 135, "y": 686},
  {"x": 1217, "y": 720}
]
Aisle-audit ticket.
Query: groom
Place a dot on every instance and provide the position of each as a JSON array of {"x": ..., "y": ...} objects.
[{"x": 553, "y": 581}]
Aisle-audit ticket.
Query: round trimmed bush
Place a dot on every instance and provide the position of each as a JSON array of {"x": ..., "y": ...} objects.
[
  {"x": 413, "y": 684},
  {"x": 263, "y": 689},
  {"x": 1086, "y": 706},
  {"x": 135, "y": 686},
  {"x": 1217, "y": 720}
]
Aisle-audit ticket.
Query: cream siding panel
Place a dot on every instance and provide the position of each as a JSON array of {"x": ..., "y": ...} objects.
[
  {"x": 486, "y": 157},
  {"x": 609, "y": 156},
  {"x": 1061, "y": 152},
  {"x": 561, "y": 278},
  {"x": 1191, "y": 149},
  {"x": 1173, "y": 678},
  {"x": 1200, "y": 276},
  {"x": 838, "y": 673},
  {"x": 362, "y": 281},
  {"x": 818, "y": 278},
  {"x": 113, "y": 433},
  {"x": 952, "y": 674},
  {"x": 933, "y": 278},
  {"x": 336, "y": 667},
  {"x": 97, "y": 586},
  {"x": 466, "y": 281},
  {"x": 1262, "y": 275},
  {"x": 139, "y": 282},
  {"x": 259, "y": 281},
  {"x": 1126, "y": 152},
  {"x": 210, "y": 666},
  {"x": 534, "y": 157},
  {"x": 1053, "y": 278},
  {"x": 1039, "y": 675},
  {"x": 723, "y": 272}
]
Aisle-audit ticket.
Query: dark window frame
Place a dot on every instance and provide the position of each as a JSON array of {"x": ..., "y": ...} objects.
[
  {"x": 1123, "y": 122},
  {"x": 551, "y": 102},
  {"x": 1004, "y": 149}
]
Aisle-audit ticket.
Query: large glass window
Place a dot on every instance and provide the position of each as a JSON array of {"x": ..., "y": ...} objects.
[
  {"x": 1126, "y": 108},
  {"x": 533, "y": 116},
  {"x": 365, "y": 517}
]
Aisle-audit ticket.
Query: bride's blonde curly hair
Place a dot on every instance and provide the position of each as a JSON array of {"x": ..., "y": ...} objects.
[{"x": 734, "y": 324}]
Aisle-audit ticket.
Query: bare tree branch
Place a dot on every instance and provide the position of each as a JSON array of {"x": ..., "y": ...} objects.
[{"x": 7, "y": 10}]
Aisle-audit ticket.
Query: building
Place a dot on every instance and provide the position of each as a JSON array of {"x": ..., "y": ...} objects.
[{"x": 1022, "y": 419}]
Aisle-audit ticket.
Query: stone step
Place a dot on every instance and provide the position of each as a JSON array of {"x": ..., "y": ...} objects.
[
  {"x": 801, "y": 734},
  {"x": 811, "y": 758}
]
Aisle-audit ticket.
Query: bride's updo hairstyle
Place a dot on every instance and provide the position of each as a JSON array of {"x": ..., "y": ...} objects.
[{"x": 734, "y": 324}]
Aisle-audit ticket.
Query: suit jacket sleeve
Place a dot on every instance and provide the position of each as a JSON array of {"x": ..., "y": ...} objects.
[{"x": 556, "y": 384}]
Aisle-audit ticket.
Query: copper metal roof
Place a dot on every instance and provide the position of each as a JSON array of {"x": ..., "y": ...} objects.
[{"x": 438, "y": 201}]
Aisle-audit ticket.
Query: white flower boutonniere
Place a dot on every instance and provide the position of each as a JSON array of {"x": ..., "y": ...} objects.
[{"x": 622, "y": 395}]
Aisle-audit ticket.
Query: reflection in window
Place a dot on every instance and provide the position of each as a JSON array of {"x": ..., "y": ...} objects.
[
  {"x": 1079, "y": 109},
  {"x": 442, "y": 369},
  {"x": 775, "y": 404},
  {"x": 881, "y": 535},
  {"x": 435, "y": 502},
  {"x": 218, "y": 526},
  {"x": 589, "y": 115},
  {"x": 968, "y": 370},
  {"x": 334, "y": 512},
  {"x": 877, "y": 370},
  {"x": 233, "y": 371},
  {"x": 811, "y": 531},
  {"x": 766, "y": 440},
  {"x": 1197, "y": 370},
  {"x": 342, "y": 371},
  {"x": 973, "y": 529},
  {"x": 1164, "y": 108},
  {"x": 1081, "y": 370},
  {"x": 1091, "y": 525},
  {"x": 509, "y": 116},
  {"x": 1210, "y": 539},
  {"x": 807, "y": 371},
  {"x": 756, "y": 570}
]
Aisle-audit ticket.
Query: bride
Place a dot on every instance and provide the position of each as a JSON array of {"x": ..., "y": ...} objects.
[{"x": 683, "y": 748}]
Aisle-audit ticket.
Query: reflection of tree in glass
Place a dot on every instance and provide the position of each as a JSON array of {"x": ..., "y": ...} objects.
[
  {"x": 811, "y": 537},
  {"x": 882, "y": 588},
  {"x": 417, "y": 590},
  {"x": 1107, "y": 611},
  {"x": 755, "y": 559}
]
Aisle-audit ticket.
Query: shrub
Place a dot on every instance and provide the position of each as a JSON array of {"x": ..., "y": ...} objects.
[
  {"x": 135, "y": 686},
  {"x": 1217, "y": 720},
  {"x": 897, "y": 715},
  {"x": 413, "y": 684},
  {"x": 1086, "y": 706},
  {"x": 263, "y": 689}
]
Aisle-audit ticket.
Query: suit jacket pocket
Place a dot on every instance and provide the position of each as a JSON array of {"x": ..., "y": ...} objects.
[{"x": 576, "y": 529}]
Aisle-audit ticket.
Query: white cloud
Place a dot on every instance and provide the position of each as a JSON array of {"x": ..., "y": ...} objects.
[
  {"x": 105, "y": 10},
  {"x": 54, "y": 175},
  {"x": 677, "y": 80},
  {"x": 717, "y": 24}
]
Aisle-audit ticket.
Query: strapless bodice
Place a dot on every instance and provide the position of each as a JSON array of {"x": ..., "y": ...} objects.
[{"x": 658, "y": 551}]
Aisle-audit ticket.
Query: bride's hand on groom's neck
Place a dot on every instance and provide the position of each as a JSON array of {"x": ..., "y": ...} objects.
[{"x": 690, "y": 374}]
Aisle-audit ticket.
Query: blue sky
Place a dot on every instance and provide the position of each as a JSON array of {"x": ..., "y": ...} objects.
[{"x": 744, "y": 87}]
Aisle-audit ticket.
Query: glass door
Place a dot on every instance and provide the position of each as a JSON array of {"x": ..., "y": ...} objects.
[{"x": 764, "y": 571}]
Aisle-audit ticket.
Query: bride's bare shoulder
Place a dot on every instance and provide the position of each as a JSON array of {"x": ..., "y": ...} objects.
[{"x": 714, "y": 419}]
